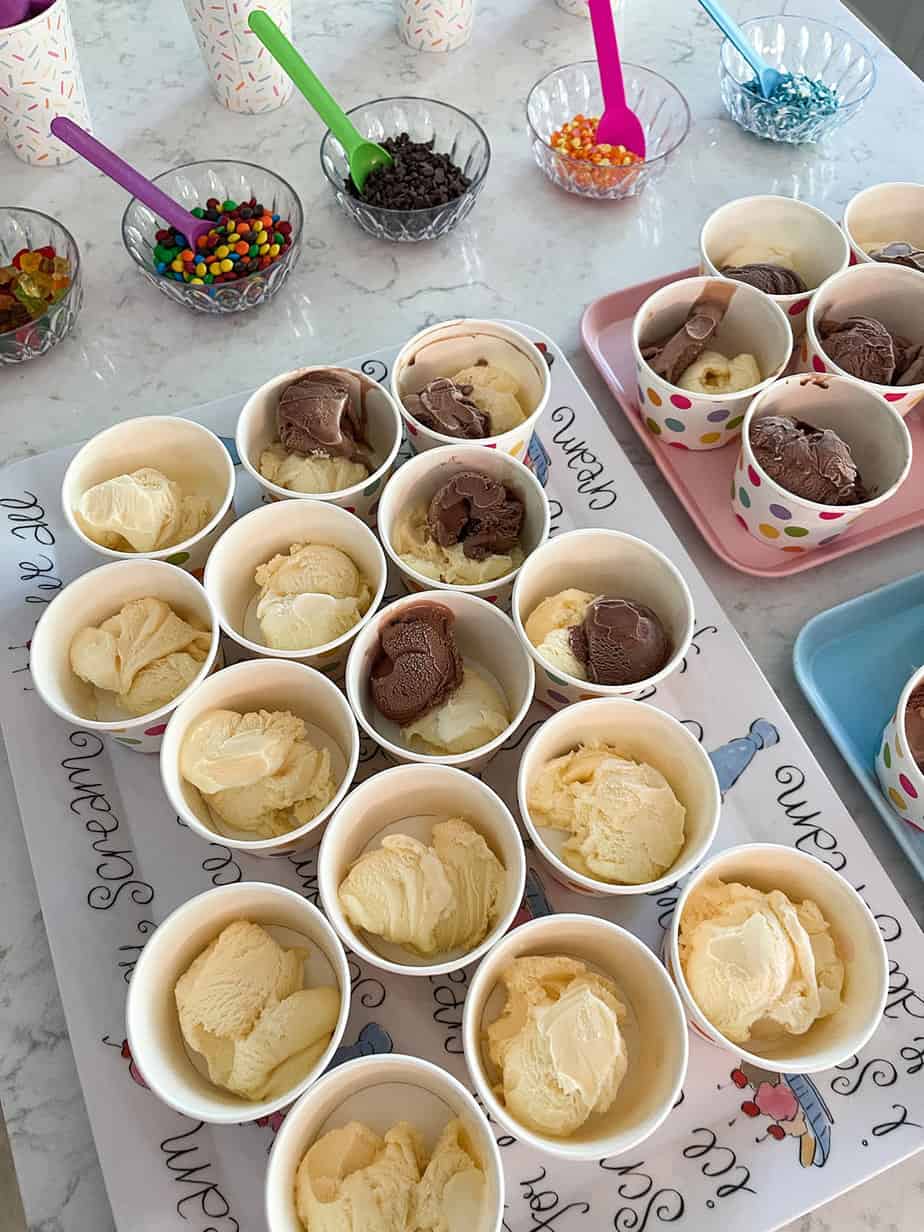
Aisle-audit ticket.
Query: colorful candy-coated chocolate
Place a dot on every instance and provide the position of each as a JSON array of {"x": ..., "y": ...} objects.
[{"x": 226, "y": 254}]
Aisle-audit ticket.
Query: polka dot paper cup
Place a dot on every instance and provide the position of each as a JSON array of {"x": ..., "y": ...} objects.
[
  {"x": 753, "y": 324},
  {"x": 899, "y": 775},
  {"x": 878, "y": 440},
  {"x": 882, "y": 214},
  {"x": 819, "y": 247}
]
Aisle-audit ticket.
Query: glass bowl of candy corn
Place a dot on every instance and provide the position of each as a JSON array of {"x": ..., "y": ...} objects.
[
  {"x": 562, "y": 113},
  {"x": 40, "y": 288},
  {"x": 249, "y": 252}
]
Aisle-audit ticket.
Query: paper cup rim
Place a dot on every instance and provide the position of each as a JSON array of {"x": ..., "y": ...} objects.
[
  {"x": 161, "y": 554},
  {"x": 912, "y": 770},
  {"x": 258, "y": 846},
  {"x": 683, "y": 865},
  {"x": 351, "y": 937},
  {"x": 117, "y": 725},
  {"x": 312, "y": 652},
  {"x": 471, "y": 1029},
  {"x": 855, "y": 200},
  {"x": 338, "y": 962}
]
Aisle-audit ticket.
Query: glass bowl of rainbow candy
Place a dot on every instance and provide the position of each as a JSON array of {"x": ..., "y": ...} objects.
[
  {"x": 40, "y": 287},
  {"x": 833, "y": 75},
  {"x": 227, "y": 182}
]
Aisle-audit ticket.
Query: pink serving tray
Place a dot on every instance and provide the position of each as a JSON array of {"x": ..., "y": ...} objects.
[{"x": 700, "y": 478}]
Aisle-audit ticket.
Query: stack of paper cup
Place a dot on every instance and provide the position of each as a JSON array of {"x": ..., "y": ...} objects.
[
  {"x": 435, "y": 25},
  {"x": 243, "y": 75}
]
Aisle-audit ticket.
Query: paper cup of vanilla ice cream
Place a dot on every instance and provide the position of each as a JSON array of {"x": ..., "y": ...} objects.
[
  {"x": 490, "y": 701},
  {"x": 757, "y": 963},
  {"x": 175, "y": 1071},
  {"x": 554, "y": 593},
  {"x": 900, "y": 775},
  {"x": 310, "y": 603},
  {"x": 169, "y": 640},
  {"x": 297, "y": 469},
  {"x": 475, "y": 547},
  {"x": 506, "y": 375},
  {"x": 273, "y": 763},
  {"x": 888, "y": 220},
  {"x": 627, "y": 1060},
  {"x": 701, "y": 401},
  {"x": 478, "y": 891},
  {"x": 860, "y": 453},
  {"x": 372, "y": 1096},
  {"x": 159, "y": 487}
]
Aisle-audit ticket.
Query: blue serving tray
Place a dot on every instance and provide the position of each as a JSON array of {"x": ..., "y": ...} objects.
[{"x": 852, "y": 662}]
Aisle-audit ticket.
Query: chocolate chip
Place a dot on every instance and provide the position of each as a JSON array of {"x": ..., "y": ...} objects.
[{"x": 419, "y": 177}]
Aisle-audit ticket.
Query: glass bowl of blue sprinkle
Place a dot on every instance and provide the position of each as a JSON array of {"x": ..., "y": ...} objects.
[{"x": 828, "y": 76}]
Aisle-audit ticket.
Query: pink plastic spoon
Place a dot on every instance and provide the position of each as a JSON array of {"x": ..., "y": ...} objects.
[{"x": 619, "y": 125}]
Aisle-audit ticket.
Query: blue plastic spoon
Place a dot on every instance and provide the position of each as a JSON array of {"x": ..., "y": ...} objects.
[{"x": 767, "y": 78}]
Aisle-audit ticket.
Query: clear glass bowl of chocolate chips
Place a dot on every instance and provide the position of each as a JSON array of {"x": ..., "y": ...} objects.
[{"x": 441, "y": 158}]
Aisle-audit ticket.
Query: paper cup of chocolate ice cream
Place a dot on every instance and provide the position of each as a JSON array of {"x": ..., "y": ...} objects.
[
  {"x": 445, "y": 510},
  {"x": 410, "y": 800},
  {"x": 88, "y": 601},
  {"x": 517, "y": 384},
  {"x": 320, "y": 427},
  {"x": 817, "y": 453},
  {"x": 650, "y": 626},
  {"x": 783, "y": 247},
  {"x": 416, "y": 673},
  {"x": 886, "y": 223},
  {"x": 830, "y": 1039},
  {"x": 181, "y": 450},
  {"x": 868, "y": 323},
  {"x": 752, "y": 342},
  {"x": 900, "y": 759}
]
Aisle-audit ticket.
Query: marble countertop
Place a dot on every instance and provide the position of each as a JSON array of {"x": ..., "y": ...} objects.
[{"x": 527, "y": 252}]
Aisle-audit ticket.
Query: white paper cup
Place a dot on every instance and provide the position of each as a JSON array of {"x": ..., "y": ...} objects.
[
  {"x": 264, "y": 684},
  {"x": 182, "y": 450},
  {"x": 579, "y": 8},
  {"x": 884, "y": 212},
  {"x": 256, "y": 431},
  {"x": 443, "y": 350},
  {"x": 155, "y": 1039},
  {"x": 892, "y": 294},
  {"x": 435, "y": 27},
  {"x": 380, "y": 1092},
  {"x": 818, "y": 245},
  {"x": 271, "y": 530},
  {"x": 243, "y": 75},
  {"x": 829, "y": 1041},
  {"x": 900, "y": 776},
  {"x": 878, "y": 440},
  {"x": 417, "y": 481},
  {"x": 88, "y": 601},
  {"x": 411, "y": 800},
  {"x": 602, "y": 562},
  {"x": 655, "y": 1032},
  {"x": 486, "y": 639},
  {"x": 645, "y": 734},
  {"x": 753, "y": 324}
]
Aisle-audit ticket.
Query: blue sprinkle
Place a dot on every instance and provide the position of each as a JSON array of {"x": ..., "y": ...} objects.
[{"x": 797, "y": 110}]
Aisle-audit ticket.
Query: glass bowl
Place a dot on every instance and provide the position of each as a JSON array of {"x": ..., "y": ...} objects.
[
  {"x": 794, "y": 44},
  {"x": 575, "y": 89},
  {"x": 450, "y": 130},
  {"x": 191, "y": 185},
  {"x": 21, "y": 228}
]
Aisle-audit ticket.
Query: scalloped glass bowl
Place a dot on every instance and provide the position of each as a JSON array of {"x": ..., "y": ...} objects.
[
  {"x": 575, "y": 88},
  {"x": 21, "y": 228},
  {"x": 191, "y": 185},
  {"x": 794, "y": 44},
  {"x": 452, "y": 132}
]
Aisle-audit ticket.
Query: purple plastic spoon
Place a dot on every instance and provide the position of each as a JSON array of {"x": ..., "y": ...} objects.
[
  {"x": 131, "y": 180},
  {"x": 13, "y": 13},
  {"x": 619, "y": 125}
]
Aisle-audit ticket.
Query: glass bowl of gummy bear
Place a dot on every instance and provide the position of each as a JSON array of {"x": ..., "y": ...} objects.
[
  {"x": 829, "y": 76},
  {"x": 441, "y": 158},
  {"x": 242, "y": 266},
  {"x": 40, "y": 287}
]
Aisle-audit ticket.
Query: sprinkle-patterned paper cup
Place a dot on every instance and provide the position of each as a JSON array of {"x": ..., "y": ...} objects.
[
  {"x": 242, "y": 73},
  {"x": 753, "y": 324},
  {"x": 435, "y": 25},
  {"x": 874, "y": 431},
  {"x": 883, "y": 214},
  {"x": 900, "y": 777}
]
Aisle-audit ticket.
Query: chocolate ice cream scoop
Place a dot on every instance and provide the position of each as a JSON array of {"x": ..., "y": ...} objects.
[
  {"x": 476, "y": 511},
  {"x": 771, "y": 279},
  {"x": 316, "y": 415},
  {"x": 862, "y": 346},
  {"x": 914, "y": 725},
  {"x": 418, "y": 666},
  {"x": 810, "y": 462},
  {"x": 620, "y": 641},
  {"x": 671, "y": 357},
  {"x": 446, "y": 407},
  {"x": 909, "y": 363},
  {"x": 899, "y": 253}
]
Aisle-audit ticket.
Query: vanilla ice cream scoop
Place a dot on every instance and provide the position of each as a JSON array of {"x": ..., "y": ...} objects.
[
  {"x": 412, "y": 540},
  {"x": 495, "y": 392},
  {"x": 313, "y": 474},
  {"x": 756, "y": 253},
  {"x": 471, "y": 716},
  {"x": 141, "y": 512},
  {"x": 714, "y": 373},
  {"x": 309, "y": 596},
  {"x": 451, "y": 1195},
  {"x": 756, "y": 963}
]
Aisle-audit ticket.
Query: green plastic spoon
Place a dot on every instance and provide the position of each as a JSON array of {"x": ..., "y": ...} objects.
[{"x": 363, "y": 156}]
